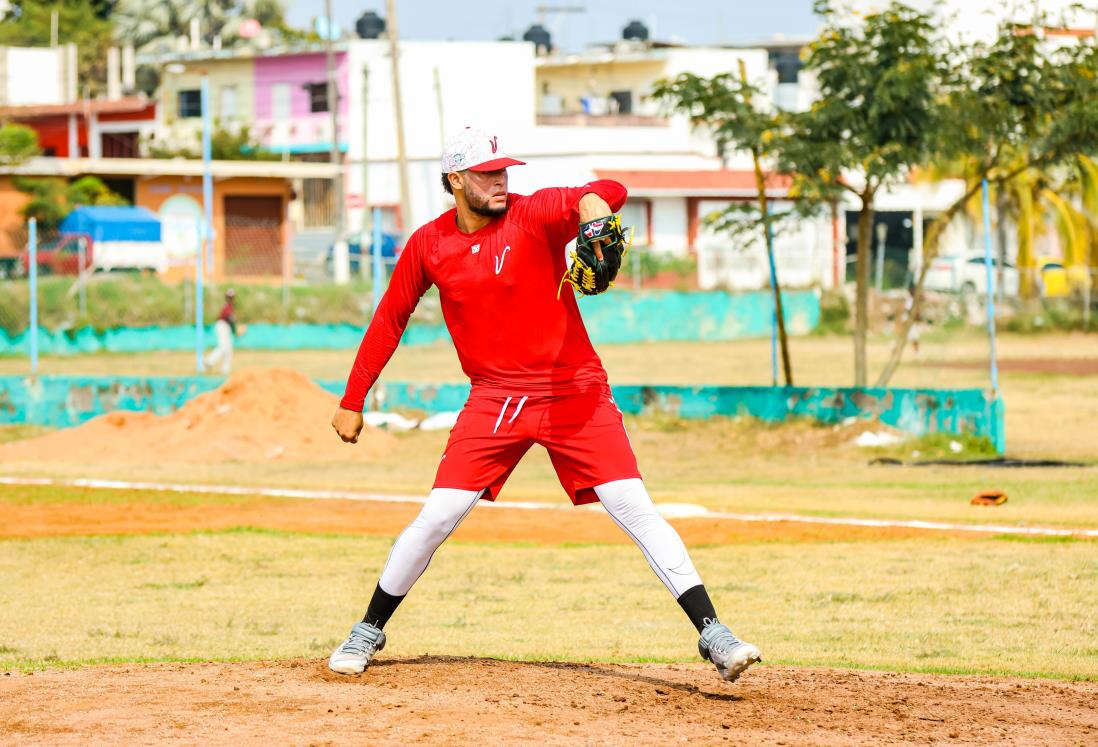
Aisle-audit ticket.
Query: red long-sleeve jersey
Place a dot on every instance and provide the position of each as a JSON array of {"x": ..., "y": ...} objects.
[{"x": 498, "y": 288}]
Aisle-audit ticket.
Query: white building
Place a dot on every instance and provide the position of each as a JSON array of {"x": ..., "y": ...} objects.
[
  {"x": 572, "y": 118},
  {"x": 37, "y": 75},
  {"x": 980, "y": 20}
]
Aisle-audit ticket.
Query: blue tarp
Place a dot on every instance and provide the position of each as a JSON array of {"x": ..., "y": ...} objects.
[{"x": 113, "y": 223}]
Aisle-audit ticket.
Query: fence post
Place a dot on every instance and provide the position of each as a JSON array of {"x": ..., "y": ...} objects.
[
  {"x": 287, "y": 259},
  {"x": 82, "y": 244},
  {"x": 990, "y": 292},
  {"x": 377, "y": 271},
  {"x": 32, "y": 276},
  {"x": 199, "y": 331},
  {"x": 207, "y": 172}
]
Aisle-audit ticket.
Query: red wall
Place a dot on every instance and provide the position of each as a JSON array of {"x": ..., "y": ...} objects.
[{"x": 53, "y": 130}]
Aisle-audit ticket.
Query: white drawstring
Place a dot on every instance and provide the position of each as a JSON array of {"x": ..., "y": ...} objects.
[
  {"x": 503, "y": 411},
  {"x": 518, "y": 409}
]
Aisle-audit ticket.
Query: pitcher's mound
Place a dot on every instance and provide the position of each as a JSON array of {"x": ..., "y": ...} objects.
[
  {"x": 258, "y": 415},
  {"x": 434, "y": 700}
]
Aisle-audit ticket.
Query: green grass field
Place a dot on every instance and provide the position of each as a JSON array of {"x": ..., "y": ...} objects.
[
  {"x": 988, "y": 606},
  {"x": 982, "y": 604}
]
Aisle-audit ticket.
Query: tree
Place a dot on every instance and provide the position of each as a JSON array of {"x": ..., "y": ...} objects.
[
  {"x": 226, "y": 144},
  {"x": 78, "y": 21},
  {"x": 47, "y": 203},
  {"x": 877, "y": 118},
  {"x": 157, "y": 26},
  {"x": 725, "y": 105},
  {"x": 17, "y": 144},
  {"x": 1020, "y": 108},
  {"x": 52, "y": 198},
  {"x": 90, "y": 190}
]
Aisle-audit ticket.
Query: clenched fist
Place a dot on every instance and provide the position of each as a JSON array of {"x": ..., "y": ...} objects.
[{"x": 348, "y": 424}]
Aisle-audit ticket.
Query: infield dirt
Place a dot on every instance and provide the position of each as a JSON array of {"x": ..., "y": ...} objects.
[
  {"x": 440, "y": 700},
  {"x": 258, "y": 415}
]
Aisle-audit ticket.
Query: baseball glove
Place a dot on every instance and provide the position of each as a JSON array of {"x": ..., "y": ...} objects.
[{"x": 588, "y": 274}]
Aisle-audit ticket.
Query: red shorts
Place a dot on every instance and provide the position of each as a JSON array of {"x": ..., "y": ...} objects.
[{"x": 583, "y": 433}]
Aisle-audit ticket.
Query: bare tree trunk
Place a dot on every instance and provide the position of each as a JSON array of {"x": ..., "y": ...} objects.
[
  {"x": 861, "y": 304},
  {"x": 764, "y": 210},
  {"x": 776, "y": 288},
  {"x": 930, "y": 251}
]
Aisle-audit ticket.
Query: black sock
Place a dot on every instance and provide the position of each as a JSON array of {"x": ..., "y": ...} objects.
[
  {"x": 382, "y": 606},
  {"x": 697, "y": 605}
]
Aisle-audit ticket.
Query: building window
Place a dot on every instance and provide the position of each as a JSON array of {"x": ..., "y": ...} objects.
[
  {"x": 119, "y": 145},
  {"x": 623, "y": 101},
  {"x": 280, "y": 101},
  {"x": 318, "y": 97},
  {"x": 190, "y": 103},
  {"x": 318, "y": 199},
  {"x": 228, "y": 102},
  {"x": 634, "y": 214}
]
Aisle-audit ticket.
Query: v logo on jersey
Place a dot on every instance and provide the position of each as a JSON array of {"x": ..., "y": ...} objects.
[{"x": 501, "y": 259}]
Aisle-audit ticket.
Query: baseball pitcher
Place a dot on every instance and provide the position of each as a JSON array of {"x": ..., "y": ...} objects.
[{"x": 498, "y": 260}]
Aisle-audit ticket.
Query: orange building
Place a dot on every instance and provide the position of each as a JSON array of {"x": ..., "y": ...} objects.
[{"x": 252, "y": 230}]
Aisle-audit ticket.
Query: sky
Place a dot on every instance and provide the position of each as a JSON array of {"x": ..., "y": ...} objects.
[{"x": 689, "y": 21}]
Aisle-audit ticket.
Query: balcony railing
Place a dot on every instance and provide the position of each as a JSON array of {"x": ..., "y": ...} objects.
[{"x": 601, "y": 120}]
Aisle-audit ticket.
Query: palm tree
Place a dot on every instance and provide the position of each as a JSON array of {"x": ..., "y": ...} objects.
[
  {"x": 1066, "y": 202},
  {"x": 157, "y": 26}
]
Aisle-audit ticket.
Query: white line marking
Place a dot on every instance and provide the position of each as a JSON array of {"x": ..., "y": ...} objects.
[{"x": 669, "y": 510}]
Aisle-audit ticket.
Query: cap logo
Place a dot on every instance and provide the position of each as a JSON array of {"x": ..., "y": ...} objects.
[{"x": 493, "y": 144}]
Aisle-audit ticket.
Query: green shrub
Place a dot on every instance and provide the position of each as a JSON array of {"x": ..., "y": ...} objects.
[{"x": 834, "y": 314}]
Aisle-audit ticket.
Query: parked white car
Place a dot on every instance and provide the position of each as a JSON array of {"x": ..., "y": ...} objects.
[{"x": 967, "y": 275}]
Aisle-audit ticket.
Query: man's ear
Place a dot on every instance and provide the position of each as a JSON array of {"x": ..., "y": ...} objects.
[{"x": 457, "y": 180}]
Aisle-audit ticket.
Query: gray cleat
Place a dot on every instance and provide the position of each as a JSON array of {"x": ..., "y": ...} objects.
[
  {"x": 731, "y": 655},
  {"x": 354, "y": 655}
]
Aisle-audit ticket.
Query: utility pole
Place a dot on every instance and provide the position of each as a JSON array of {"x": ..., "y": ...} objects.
[
  {"x": 340, "y": 256},
  {"x": 402, "y": 154},
  {"x": 363, "y": 241},
  {"x": 438, "y": 105},
  {"x": 207, "y": 174}
]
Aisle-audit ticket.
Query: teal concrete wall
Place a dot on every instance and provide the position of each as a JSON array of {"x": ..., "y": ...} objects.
[
  {"x": 61, "y": 401},
  {"x": 157, "y": 339},
  {"x": 618, "y": 317}
]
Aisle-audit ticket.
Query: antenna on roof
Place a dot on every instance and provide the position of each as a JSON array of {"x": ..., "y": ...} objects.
[{"x": 544, "y": 11}]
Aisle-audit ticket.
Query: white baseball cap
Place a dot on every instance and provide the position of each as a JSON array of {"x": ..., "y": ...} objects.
[{"x": 475, "y": 150}]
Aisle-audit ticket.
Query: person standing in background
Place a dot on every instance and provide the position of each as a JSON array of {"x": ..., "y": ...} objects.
[{"x": 225, "y": 329}]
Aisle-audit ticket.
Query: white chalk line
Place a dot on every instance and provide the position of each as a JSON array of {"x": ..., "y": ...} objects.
[{"x": 668, "y": 510}]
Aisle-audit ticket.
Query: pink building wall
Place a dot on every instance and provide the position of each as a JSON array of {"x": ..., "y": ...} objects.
[{"x": 297, "y": 70}]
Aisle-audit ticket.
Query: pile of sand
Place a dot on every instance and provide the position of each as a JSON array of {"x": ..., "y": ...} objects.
[{"x": 258, "y": 415}]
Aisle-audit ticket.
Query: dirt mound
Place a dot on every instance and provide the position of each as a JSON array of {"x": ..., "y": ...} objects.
[
  {"x": 258, "y": 415},
  {"x": 442, "y": 700}
]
